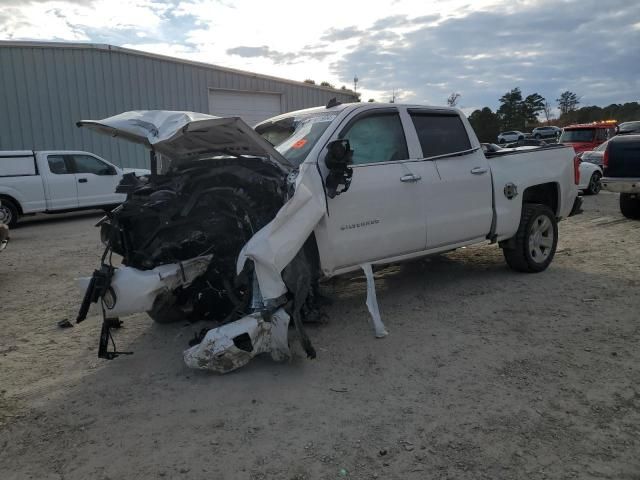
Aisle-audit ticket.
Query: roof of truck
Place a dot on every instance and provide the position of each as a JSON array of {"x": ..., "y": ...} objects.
[
  {"x": 16, "y": 153},
  {"x": 602, "y": 124},
  {"x": 359, "y": 105}
]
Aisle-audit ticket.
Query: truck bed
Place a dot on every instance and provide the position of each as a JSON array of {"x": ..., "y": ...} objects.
[{"x": 524, "y": 167}]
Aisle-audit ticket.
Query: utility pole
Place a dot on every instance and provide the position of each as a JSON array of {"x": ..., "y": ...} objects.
[{"x": 355, "y": 83}]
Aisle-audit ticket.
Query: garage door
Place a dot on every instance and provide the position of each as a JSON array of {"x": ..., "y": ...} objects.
[{"x": 252, "y": 107}]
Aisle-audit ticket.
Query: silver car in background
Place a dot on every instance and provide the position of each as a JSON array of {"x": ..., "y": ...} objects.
[
  {"x": 510, "y": 136},
  {"x": 595, "y": 156},
  {"x": 546, "y": 132}
]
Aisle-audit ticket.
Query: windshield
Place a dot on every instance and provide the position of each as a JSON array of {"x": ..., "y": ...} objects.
[
  {"x": 294, "y": 137},
  {"x": 578, "y": 135}
]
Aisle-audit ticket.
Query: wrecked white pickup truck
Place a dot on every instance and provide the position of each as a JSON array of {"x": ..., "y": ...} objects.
[{"x": 237, "y": 225}]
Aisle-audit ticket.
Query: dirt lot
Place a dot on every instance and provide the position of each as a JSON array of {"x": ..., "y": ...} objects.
[{"x": 486, "y": 373}]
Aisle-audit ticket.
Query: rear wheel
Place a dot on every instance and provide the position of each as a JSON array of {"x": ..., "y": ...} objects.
[
  {"x": 8, "y": 213},
  {"x": 534, "y": 245},
  {"x": 630, "y": 206},
  {"x": 538, "y": 136},
  {"x": 594, "y": 184}
]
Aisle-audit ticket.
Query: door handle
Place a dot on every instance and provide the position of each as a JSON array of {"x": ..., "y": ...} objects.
[
  {"x": 82, "y": 180},
  {"x": 410, "y": 177},
  {"x": 479, "y": 170}
]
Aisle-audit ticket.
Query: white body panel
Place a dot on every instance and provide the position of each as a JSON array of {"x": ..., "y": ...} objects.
[
  {"x": 36, "y": 188},
  {"x": 587, "y": 169},
  {"x": 466, "y": 214},
  {"x": 364, "y": 225},
  {"x": 526, "y": 168}
]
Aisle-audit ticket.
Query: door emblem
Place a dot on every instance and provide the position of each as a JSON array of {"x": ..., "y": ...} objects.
[
  {"x": 510, "y": 190},
  {"x": 360, "y": 224}
]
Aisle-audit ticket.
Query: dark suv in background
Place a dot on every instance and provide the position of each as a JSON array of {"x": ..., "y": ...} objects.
[
  {"x": 621, "y": 163},
  {"x": 628, "y": 127}
]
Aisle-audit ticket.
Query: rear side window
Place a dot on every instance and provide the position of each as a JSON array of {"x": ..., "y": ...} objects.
[
  {"x": 57, "y": 164},
  {"x": 377, "y": 138},
  {"x": 440, "y": 134}
]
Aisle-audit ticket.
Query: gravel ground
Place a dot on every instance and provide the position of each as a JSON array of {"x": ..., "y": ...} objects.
[{"x": 486, "y": 373}]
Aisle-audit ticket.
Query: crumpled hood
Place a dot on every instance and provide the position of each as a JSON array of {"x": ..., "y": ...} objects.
[{"x": 183, "y": 136}]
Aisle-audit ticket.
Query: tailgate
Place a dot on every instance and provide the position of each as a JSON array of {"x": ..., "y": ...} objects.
[{"x": 624, "y": 159}]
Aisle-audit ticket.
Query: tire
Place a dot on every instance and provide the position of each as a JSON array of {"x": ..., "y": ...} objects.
[
  {"x": 629, "y": 206},
  {"x": 9, "y": 213},
  {"x": 501, "y": 141},
  {"x": 537, "y": 136},
  {"x": 520, "y": 138},
  {"x": 527, "y": 251},
  {"x": 594, "y": 184},
  {"x": 165, "y": 310}
]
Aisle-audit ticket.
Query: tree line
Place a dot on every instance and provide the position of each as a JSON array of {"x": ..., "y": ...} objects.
[{"x": 526, "y": 113}]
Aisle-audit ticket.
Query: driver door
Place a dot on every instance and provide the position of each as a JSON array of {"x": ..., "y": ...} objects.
[
  {"x": 97, "y": 181},
  {"x": 381, "y": 215}
]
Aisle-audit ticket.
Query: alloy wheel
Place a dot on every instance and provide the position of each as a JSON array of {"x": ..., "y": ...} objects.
[{"x": 541, "y": 237}]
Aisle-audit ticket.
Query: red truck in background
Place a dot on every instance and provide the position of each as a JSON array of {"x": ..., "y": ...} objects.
[{"x": 584, "y": 137}]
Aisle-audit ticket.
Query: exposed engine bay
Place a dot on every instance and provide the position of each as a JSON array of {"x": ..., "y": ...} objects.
[
  {"x": 185, "y": 238},
  {"x": 206, "y": 207}
]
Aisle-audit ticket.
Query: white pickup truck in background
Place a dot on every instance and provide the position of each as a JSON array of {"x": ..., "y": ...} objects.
[{"x": 56, "y": 181}]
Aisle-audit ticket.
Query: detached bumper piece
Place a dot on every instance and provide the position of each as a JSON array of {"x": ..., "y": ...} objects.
[
  {"x": 233, "y": 345},
  {"x": 577, "y": 206}
]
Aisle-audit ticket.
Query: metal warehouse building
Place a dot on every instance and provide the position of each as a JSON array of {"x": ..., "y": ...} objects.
[{"x": 46, "y": 87}]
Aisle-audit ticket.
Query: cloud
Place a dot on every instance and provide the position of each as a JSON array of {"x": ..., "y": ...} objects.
[
  {"x": 546, "y": 47},
  {"x": 337, "y": 34},
  {"x": 276, "y": 56},
  {"x": 423, "y": 50}
]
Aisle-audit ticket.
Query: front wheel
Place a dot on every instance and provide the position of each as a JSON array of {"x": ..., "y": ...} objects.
[
  {"x": 534, "y": 245},
  {"x": 594, "y": 184},
  {"x": 630, "y": 206},
  {"x": 8, "y": 213}
]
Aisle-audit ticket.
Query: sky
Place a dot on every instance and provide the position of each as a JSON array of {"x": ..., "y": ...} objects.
[{"x": 419, "y": 51}]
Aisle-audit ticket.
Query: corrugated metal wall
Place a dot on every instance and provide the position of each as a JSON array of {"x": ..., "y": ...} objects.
[{"x": 44, "y": 90}]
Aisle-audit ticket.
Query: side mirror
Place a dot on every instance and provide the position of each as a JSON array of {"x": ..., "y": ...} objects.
[{"x": 339, "y": 157}]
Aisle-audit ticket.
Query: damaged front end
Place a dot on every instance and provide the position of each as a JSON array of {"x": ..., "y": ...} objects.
[{"x": 215, "y": 183}]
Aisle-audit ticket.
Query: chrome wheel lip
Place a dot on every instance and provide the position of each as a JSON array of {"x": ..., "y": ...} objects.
[
  {"x": 5, "y": 215},
  {"x": 541, "y": 238}
]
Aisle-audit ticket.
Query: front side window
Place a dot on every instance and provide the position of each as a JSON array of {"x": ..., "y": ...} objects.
[
  {"x": 441, "y": 134},
  {"x": 88, "y": 164},
  {"x": 377, "y": 138},
  {"x": 57, "y": 164}
]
